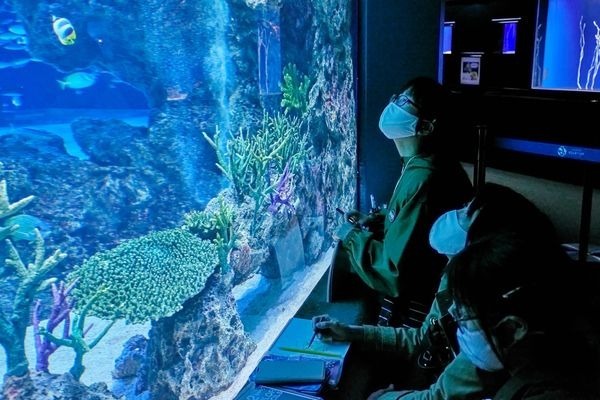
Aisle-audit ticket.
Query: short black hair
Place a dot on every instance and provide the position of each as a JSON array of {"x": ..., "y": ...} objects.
[{"x": 429, "y": 96}]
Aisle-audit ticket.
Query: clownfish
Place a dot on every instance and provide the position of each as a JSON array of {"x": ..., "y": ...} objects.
[{"x": 64, "y": 30}]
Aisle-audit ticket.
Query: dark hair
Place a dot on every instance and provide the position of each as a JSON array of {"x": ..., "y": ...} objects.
[
  {"x": 511, "y": 274},
  {"x": 429, "y": 96},
  {"x": 431, "y": 99},
  {"x": 502, "y": 209}
]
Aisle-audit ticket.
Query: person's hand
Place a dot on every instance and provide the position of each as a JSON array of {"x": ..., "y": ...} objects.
[
  {"x": 343, "y": 230},
  {"x": 328, "y": 328},
  {"x": 377, "y": 394},
  {"x": 371, "y": 222}
]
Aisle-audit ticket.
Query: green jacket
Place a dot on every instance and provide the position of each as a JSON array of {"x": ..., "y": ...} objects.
[
  {"x": 459, "y": 380},
  {"x": 400, "y": 262},
  {"x": 405, "y": 343}
]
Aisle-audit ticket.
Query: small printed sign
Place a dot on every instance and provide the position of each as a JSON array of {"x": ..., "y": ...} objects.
[{"x": 470, "y": 70}]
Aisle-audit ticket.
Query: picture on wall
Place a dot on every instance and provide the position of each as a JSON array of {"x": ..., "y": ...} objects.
[{"x": 470, "y": 70}]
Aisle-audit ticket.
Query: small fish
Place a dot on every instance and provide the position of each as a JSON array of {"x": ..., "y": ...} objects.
[
  {"x": 15, "y": 98},
  {"x": 77, "y": 80},
  {"x": 17, "y": 29},
  {"x": 27, "y": 224},
  {"x": 16, "y": 63},
  {"x": 64, "y": 30}
]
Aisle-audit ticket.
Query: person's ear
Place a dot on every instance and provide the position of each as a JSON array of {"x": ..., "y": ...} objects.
[
  {"x": 425, "y": 127},
  {"x": 510, "y": 330}
]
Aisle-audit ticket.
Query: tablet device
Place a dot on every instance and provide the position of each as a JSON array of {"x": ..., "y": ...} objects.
[{"x": 281, "y": 371}]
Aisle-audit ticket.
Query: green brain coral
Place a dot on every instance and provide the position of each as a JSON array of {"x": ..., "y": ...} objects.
[{"x": 145, "y": 278}]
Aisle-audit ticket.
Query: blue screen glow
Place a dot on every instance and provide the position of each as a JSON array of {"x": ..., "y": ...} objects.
[
  {"x": 566, "y": 46},
  {"x": 447, "y": 39},
  {"x": 509, "y": 39}
]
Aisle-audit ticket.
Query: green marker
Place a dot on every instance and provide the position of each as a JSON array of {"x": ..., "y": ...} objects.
[{"x": 309, "y": 351}]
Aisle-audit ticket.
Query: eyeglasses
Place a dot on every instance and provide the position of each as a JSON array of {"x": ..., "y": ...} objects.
[{"x": 402, "y": 99}]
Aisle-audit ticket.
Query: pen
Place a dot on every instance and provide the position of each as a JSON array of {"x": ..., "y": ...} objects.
[{"x": 312, "y": 339}]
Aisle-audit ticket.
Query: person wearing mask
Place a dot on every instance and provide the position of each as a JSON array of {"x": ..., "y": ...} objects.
[
  {"x": 521, "y": 305},
  {"x": 493, "y": 210},
  {"x": 389, "y": 250}
]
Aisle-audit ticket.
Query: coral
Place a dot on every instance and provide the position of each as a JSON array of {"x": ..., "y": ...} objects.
[
  {"x": 283, "y": 192},
  {"x": 7, "y": 209},
  {"x": 31, "y": 279},
  {"x": 76, "y": 338},
  {"x": 145, "y": 278},
  {"x": 216, "y": 222},
  {"x": 60, "y": 312},
  {"x": 294, "y": 89},
  {"x": 249, "y": 160}
]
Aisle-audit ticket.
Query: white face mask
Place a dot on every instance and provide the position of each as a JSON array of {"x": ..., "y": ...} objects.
[
  {"x": 475, "y": 346},
  {"x": 447, "y": 236},
  {"x": 396, "y": 123}
]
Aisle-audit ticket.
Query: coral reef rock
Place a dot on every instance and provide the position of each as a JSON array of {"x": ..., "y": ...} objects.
[
  {"x": 45, "y": 386},
  {"x": 196, "y": 353}
]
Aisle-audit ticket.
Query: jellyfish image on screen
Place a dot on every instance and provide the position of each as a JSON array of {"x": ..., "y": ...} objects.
[{"x": 567, "y": 45}]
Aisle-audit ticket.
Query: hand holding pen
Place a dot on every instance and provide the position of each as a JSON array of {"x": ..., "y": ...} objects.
[{"x": 328, "y": 329}]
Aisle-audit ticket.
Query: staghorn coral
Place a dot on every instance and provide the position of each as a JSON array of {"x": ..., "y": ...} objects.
[
  {"x": 31, "y": 279},
  {"x": 250, "y": 160},
  {"x": 294, "y": 89},
  {"x": 60, "y": 312},
  {"x": 145, "y": 278}
]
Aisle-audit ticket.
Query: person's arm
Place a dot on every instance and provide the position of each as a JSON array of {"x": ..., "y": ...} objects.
[
  {"x": 403, "y": 342},
  {"x": 378, "y": 262},
  {"x": 459, "y": 380}
]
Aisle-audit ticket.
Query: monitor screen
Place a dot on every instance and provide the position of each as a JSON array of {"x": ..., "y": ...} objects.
[
  {"x": 509, "y": 37},
  {"x": 567, "y": 42}
]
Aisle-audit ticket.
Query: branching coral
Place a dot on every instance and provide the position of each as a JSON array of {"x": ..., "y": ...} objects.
[
  {"x": 216, "y": 223},
  {"x": 7, "y": 209},
  {"x": 250, "y": 160},
  {"x": 31, "y": 279},
  {"x": 60, "y": 313},
  {"x": 76, "y": 338},
  {"x": 295, "y": 89},
  {"x": 145, "y": 278}
]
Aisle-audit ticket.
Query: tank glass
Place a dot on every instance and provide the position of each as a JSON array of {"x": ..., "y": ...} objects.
[
  {"x": 566, "y": 45},
  {"x": 169, "y": 175}
]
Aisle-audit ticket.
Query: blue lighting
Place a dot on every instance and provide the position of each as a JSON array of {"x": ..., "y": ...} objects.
[
  {"x": 447, "y": 39},
  {"x": 550, "y": 149},
  {"x": 509, "y": 40}
]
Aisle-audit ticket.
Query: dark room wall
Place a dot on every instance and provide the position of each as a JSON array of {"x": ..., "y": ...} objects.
[{"x": 397, "y": 40}]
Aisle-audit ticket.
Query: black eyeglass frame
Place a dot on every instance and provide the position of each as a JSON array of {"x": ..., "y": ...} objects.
[{"x": 402, "y": 99}]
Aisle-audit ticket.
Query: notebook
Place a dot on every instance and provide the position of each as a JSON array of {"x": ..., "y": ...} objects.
[{"x": 294, "y": 342}]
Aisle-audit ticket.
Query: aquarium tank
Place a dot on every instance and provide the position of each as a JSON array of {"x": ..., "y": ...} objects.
[
  {"x": 169, "y": 175},
  {"x": 567, "y": 41}
]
